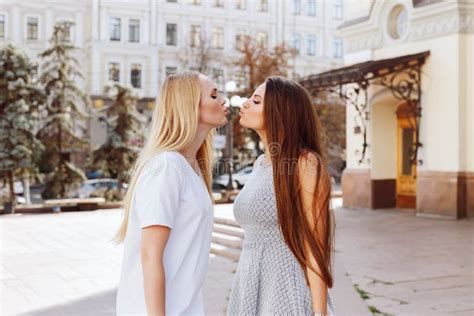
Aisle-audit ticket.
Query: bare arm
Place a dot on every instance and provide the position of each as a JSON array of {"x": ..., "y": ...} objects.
[
  {"x": 154, "y": 240},
  {"x": 307, "y": 171}
]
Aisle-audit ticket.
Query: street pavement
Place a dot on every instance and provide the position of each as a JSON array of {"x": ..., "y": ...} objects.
[{"x": 66, "y": 264}]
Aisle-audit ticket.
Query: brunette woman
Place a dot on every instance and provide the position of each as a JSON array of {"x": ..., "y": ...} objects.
[{"x": 284, "y": 209}]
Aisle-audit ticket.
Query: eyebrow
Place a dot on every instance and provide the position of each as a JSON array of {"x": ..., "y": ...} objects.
[{"x": 257, "y": 95}]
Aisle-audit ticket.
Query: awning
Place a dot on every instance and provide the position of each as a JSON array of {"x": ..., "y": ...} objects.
[
  {"x": 364, "y": 71},
  {"x": 401, "y": 75}
]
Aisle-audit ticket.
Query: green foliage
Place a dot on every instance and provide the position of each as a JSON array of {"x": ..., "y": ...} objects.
[
  {"x": 125, "y": 135},
  {"x": 20, "y": 103},
  {"x": 60, "y": 71}
]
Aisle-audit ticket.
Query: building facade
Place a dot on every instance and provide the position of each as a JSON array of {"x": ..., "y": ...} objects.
[
  {"x": 410, "y": 105},
  {"x": 137, "y": 43}
]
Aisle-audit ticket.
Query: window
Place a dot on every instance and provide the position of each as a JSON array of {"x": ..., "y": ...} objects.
[
  {"x": 217, "y": 40},
  {"x": 337, "y": 10},
  {"x": 240, "y": 41},
  {"x": 262, "y": 39},
  {"x": 337, "y": 47},
  {"x": 398, "y": 22},
  {"x": 195, "y": 36},
  {"x": 263, "y": 5},
  {"x": 34, "y": 72},
  {"x": 32, "y": 28},
  {"x": 296, "y": 43},
  {"x": 114, "y": 72},
  {"x": 114, "y": 29},
  {"x": 66, "y": 34},
  {"x": 240, "y": 77},
  {"x": 171, "y": 71},
  {"x": 2, "y": 26},
  {"x": 218, "y": 77},
  {"x": 171, "y": 34},
  {"x": 134, "y": 31},
  {"x": 296, "y": 6},
  {"x": 136, "y": 76},
  {"x": 311, "y": 45},
  {"x": 219, "y": 3},
  {"x": 312, "y": 7},
  {"x": 241, "y": 4},
  {"x": 407, "y": 148}
]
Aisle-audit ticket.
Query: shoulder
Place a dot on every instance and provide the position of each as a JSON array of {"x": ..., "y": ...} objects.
[
  {"x": 309, "y": 163},
  {"x": 165, "y": 162},
  {"x": 258, "y": 161}
]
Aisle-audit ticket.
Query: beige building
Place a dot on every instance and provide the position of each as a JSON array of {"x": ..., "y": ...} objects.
[{"x": 410, "y": 105}]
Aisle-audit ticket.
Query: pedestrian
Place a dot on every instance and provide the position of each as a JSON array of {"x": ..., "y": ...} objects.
[
  {"x": 168, "y": 208},
  {"x": 285, "y": 267}
]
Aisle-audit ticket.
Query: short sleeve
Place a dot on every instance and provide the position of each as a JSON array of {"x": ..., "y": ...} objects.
[{"x": 157, "y": 193}]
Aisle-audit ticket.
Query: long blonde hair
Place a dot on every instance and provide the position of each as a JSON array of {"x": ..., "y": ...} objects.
[{"x": 173, "y": 127}]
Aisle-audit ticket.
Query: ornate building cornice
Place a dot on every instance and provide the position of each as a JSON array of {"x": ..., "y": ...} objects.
[{"x": 424, "y": 23}]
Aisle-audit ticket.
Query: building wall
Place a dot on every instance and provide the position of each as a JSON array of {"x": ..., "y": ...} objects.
[
  {"x": 445, "y": 185},
  {"x": 383, "y": 140},
  {"x": 446, "y": 103},
  {"x": 91, "y": 33}
]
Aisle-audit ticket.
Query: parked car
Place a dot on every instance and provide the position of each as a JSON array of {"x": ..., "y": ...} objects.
[
  {"x": 95, "y": 187},
  {"x": 239, "y": 178}
]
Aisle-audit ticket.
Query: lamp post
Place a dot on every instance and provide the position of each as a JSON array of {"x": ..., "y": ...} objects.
[
  {"x": 230, "y": 87},
  {"x": 235, "y": 101}
]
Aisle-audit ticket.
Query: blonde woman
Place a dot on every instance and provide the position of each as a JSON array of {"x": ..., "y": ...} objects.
[{"x": 168, "y": 209}]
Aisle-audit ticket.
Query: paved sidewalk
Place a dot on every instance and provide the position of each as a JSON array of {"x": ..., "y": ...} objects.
[
  {"x": 65, "y": 264},
  {"x": 408, "y": 265}
]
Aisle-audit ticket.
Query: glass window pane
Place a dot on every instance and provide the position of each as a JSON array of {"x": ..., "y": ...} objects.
[
  {"x": 407, "y": 145},
  {"x": 115, "y": 29},
  {"x": 114, "y": 72},
  {"x": 136, "y": 76},
  {"x": 2, "y": 26},
  {"x": 32, "y": 28},
  {"x": 134, "y": 31},
  {"x": 171, "y": 34}
]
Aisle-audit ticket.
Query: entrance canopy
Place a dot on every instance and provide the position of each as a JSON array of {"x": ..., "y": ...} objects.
[{"x": 401, "y": 75}]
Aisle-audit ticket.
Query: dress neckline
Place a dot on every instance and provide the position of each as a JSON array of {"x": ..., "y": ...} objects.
[{"x": 264, "y": 164}]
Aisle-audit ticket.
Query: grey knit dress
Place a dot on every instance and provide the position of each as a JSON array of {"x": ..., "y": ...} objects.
[{"x": 269, "y": 279}]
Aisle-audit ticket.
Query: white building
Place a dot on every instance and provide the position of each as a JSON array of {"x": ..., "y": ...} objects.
[
  {"x": 410, "y": 134},
  {"x": 139, "y": 42}
]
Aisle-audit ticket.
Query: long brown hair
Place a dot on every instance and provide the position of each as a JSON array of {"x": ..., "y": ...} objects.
[{"x": 293, "y": 130}]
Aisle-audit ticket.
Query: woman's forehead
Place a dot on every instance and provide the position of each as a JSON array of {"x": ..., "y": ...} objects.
[
  {"x": 260, "y": 89},
  {"x": 206, "y": 82}
]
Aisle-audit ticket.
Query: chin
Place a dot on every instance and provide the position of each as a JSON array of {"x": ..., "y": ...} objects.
[{"x": 242, "y": 122}]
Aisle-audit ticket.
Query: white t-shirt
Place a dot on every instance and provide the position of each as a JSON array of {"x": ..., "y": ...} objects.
[{"x": 168, "y": 192}]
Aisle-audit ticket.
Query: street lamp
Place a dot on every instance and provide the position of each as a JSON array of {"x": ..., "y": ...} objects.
[{"x": 230, "y": 87}]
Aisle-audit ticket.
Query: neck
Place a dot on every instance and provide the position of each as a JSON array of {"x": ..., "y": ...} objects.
[
  {"x": 263, "y": 136},
  {"x": 191, "y": 150}
]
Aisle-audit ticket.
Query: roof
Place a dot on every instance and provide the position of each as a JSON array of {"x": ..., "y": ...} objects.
[{"x": 364, "y": 71}]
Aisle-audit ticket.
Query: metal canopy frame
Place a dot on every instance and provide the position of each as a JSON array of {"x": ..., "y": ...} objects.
[{"x": 401, "y": 75}]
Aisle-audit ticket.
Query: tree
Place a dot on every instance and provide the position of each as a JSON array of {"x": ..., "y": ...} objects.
[
  {"x": 331, "y": 111},
  {"x": 125, "y": 129},
  {"x": 257, "y": 63},
  {"x": 20, "y": 101},
  {"x": 197, "y": 54},
  {"x": 59, "y": 74}
]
